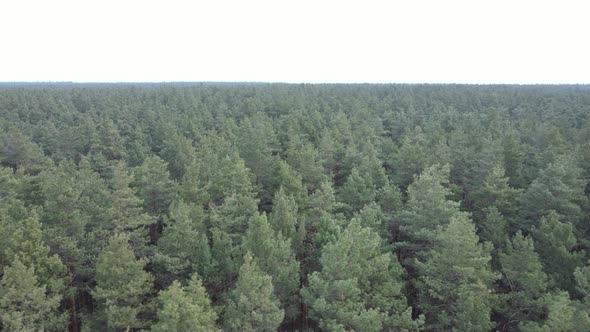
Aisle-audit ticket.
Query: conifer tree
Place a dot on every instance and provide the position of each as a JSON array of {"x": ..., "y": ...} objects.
[
  {"x": 284, "y": 216},
  {"x": 183, "y": 247},
  {"x": 290, "y": 181},
  {"x": 306, "y": 160},
  {"x": 323, "y": 224},
  {"x": 562, "y": 315},
  {"x": 523, "y": 282},
  {"x": 253, "y": 305},
  {"x": 555, "y": 241},
  {"x": 274, "y": 256},
  {"x": 410, "y": 159},
  {"x": 126, "y": 213},
  {"x": 26, "y": 245},
  {"x": 558, "y": 188},
  {"x": 25, "y": 304},
  {"x": 122, "y": 285},
  {"x": 185, "y": 308},
  {"x": 257, "y": 144},
  {"x": 358, "y": 286},
  {"x": 357, "y": 191},
  {"x": 428, "y": 207},
  {"x": 178, "y": 152},
  {"x": 455, "y": 274},
  {"x": 495, "y": 192},
  {"x": 494, "y": 228},
  {"x": 154, "y": 186},
  {"x": 17, "y": 150},
  {"x": 217, "y": 172}
]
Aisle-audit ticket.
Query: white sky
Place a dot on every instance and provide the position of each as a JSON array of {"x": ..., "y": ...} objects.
[{"x": 492, "y": 41}]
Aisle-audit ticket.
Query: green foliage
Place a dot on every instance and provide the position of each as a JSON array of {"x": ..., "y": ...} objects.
[
  {"x": 306, "y": 160},
  {"x": 26, "y": 304},
  {"x": 177, "y": 151},
  {"x": 558, "y": 188},
  {"x": 494, "y": 228},
  {"x": 185, "y": 308},
  {"x": 497, "y": 193},
  {"x": 30, "y": 249},
  {"x": 521, "y": 266},
  {"x": 562, "y": 316},
  {"x": 154, "y": 186},
  {"x": 582, "y": 276},
  {"x": 455, "y": 271},
  {"x": 357, "y": 191},
  {"x": 284, "y": 217},
  {"x": 359, "y": 286},
  {"x": 274, "y": 256},
  {"x": 101, "y": 183},
  {"x": 217, "y": 172},
  {"x": 257, "y": 142},
  {"x": 122, "y": 285},
  {"x": 555, "y": 242},
  {"x": 183, "y": 247},
  {"x": 17, "y": 150},
  {"x": 428, "y": 207},
  {"x": 253, "y": 305},
  {"x": 524, "y": 282}
]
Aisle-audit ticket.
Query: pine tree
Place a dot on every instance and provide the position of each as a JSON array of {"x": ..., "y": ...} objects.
[
  {"x": 178, "y": 152},
  {"x": 183, "y": 247},
  {"x": 154, "y": 186},
  {"x": 582, "y": 276},
  {"x": 322, "y": 225},
  {"x": 513, "y": 158},
  {"x": 409, "y": 159},
  {"x": 257, "y": 142},
  {"x": 494, "y": 228},
  {"x": 456, "y": 270},
  {"x": 17, "y": 150},
  {"x": 122, "y": 285},
  {"x": 562, "y": 316},
  {"x": 359, "y": 286},
  {"x": 25, "y": 303},
  {"x": 306, "y": 160},
  {"x": 185, "y": 308},
  {"x": 290, "y": 181},
  {"x": 253, "y": 305},
  {"x": 428, "y": 207},
  {"x": 523, "y": 283},
  {"x": 357, "y": 191},
  {"x": 495, "y": 192},
  {"x": 284, "y": 216},
  {"x": 555, "y": 241},
  {"x": 29, "y": 248},
  {"x": 107, "y": 141},
  {"x": 217, "y": 172},
  {"x": 274, "y": 256},
  {"x": 126, "y": 211},
  {"x": 372, "y": 216},
  {"x": 558, "y": 188}
]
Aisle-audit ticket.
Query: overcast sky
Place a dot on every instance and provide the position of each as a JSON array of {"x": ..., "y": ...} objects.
[{"x": 296, "y": 41}]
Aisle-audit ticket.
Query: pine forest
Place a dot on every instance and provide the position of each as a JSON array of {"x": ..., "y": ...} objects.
[{"x": 294, "y": 207}]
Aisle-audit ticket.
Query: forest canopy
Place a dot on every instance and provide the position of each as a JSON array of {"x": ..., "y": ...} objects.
[{"x": 265, "y": 207}]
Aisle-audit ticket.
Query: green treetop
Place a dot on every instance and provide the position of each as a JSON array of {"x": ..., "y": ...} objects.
[
  {"x": 253, "y": 305},
  {"x": 185, "y": 308},
  {"x": 455, "y": 279},
  {"x": 25, "y": 303},
  {"x": 359, "y": 286},
  {"x": 273, "y": 254},
  {"x": 122, "y": 285}
]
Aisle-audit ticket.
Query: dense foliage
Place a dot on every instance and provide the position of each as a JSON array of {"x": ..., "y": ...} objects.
[{"x": 263, "y": 207}]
